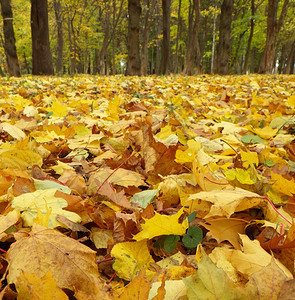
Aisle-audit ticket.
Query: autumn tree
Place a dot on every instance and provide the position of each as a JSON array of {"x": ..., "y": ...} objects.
[
  {"x": 224, "y": 43},
  {"x": 133, "y": 61},
  {"x": 193, "y": 47},
  {"x": 9, "y": 39},
  {"x": 166, "y": 8},
  {"x": 148, "y": 10},
  {"x": 41, "y": 54},
  {"x": 274, "y": 25},
  {"x": 60, "y": 40}
]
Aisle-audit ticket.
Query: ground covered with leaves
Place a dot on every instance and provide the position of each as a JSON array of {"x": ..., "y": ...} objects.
[{"x": 147, "y": 188}]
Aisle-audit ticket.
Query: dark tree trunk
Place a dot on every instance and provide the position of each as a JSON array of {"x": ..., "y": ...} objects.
[
  {"x": 60, "y": 40},
  {"x": 250, "y": 37},
  {"x": 166, "y": 7},
  {"x": 41, "y": 54},
  {"x": 72, "y": 52},
  {"x": 148, "y": 10},
  {"x": 193, "y": 46},
  {"x": 105, "y": 42},
  {"x": 224, "y": 43},
  {"x": 9, "y": 40},
  {"x": 283, "y": 59},
  {"x": 133, "y": 61},
  {"x": 290, "y": 59},
  {"x": 273, "y": 28},
  {"x": 179, "y": 21}
]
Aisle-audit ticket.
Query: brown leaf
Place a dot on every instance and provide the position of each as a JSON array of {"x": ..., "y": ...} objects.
[
  {"x": 72, "y": 264},
  {"x": 118, "y": 198}
]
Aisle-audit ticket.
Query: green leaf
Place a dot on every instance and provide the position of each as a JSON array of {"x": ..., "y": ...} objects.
[
  {"x": 193, "y": 237},
  {"x": 144, "y": 198},
  {"x": 170, "y": 242},
  {"x": 269, "y": 163},
  {"x": 252, "y": 139},
  {"x": 191, "y": 216}
]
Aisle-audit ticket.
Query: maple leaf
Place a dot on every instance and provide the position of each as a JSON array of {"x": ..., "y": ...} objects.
[
  {"x": 30, "y": 285},
  {"x": 72, "y": 264},
  {"x": 130, "y": 258},
  {"x": 138, "y": 288},
  {"x": 43, "y": 202},
  {"x": 226, "y": 229},
  {"x": 162, "y": 225}
]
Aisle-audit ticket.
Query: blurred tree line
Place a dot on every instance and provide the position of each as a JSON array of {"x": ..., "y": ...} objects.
[{"x": 140, "y": 37}]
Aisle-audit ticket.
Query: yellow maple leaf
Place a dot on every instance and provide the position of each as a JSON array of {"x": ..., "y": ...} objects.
[
  {"x": 226, "y": 230},
  {"x": 30, "y": 286},
  {"x": 59, "y": 109},
  {"x": 226, "y": 202},
  {"x": 130, "y": 258},
  {"x": 162, "y": 225},
  {"x": 188, "y": 154},
  {"x": 138, "y": 288},
  {"x": 20, "y": 159},
  {"x": 283, "y": 185},
  {"x": 291, "y": 101},
  {"x": 248, "y": 158},
  {"x": 114, "y": 108},
  {"x": 266, "y": 132},
  {"x": 34, "y": 205},
  {"x": 252, "y": 259},
  {"x": 243, "y": 176}
]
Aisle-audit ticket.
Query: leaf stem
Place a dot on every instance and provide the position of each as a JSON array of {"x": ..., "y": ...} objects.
[{"x": 272, "y": 205}]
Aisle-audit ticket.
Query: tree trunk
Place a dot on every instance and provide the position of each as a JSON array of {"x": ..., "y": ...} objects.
[
  {"x": 193, "y": 41},
  {"x": 147, "y": 11},
  {"x": 9, "y": 40},
  {"x": 252, "y": 24},
  {"x": 166, "y": 7},
  {"x": 41, "y": 54},
  {"x": 273, "y": 28},
  {"x": 177, "y": 36},
  {"x": 105, "y": 43},
  {"x": 133, "y": 61},
  {"x": 224, "y": 44},
  {"x": 290, "y": 59},
  {"x": 60, "y": 40},
  {"x": 213, "y": 39}
]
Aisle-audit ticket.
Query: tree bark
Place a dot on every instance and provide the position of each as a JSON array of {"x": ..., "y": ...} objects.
[
  {"x": 290, "y": 59},
  {"x": 193, "y": 45},
  {"x": 9, "y": 39},
  {"x": 166, "y": 7},
  {"x": 252, "y": 24},
  {"x": 148, "y": 9},
  {"x": 179, "y": 21},
  {"x": 273, "y": 28},
  {"x": 133, "y": 61},
  {"x": 41, "y": 54},
  {"x": 60, "y": 40},
  {"x": 72, "y": 53},
  {"x": 224, "y": 44},
  {"x": 105, "y": 42}
]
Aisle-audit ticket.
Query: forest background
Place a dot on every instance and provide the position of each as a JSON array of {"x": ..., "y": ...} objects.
[{"x": 147, "y": 37}]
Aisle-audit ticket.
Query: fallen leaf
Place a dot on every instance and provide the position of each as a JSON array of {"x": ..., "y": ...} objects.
[
  {"x": 43, "y": 200},
  {"x": 130, "y": 258},
  {"x": 20, "y": 159},
  {"x": 226, "y": 230},
  {"x": 73, "y": 265},
  {"x": 162, "y": 225},
  {"x": 138, "y": 288},
  {"x": 30, "y": 286}
]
